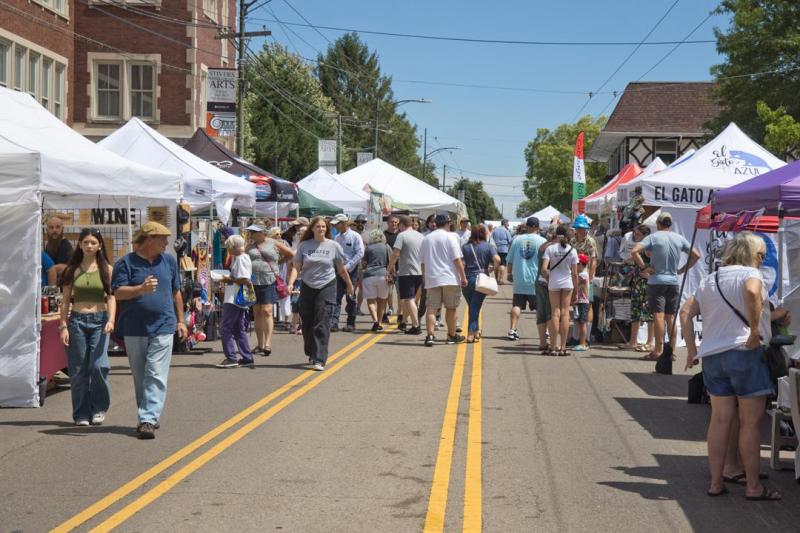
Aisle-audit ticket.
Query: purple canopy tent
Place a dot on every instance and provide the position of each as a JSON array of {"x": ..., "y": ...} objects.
[{"x": 777, "y": 192}]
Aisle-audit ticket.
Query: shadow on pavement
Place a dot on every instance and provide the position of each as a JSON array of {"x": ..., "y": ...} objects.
[
  {"x": 668, "y": 418},
  {"x": 684, "y": 479},
  {"x": 660, "y": 385},
  {"x": 70, "y": 429}
]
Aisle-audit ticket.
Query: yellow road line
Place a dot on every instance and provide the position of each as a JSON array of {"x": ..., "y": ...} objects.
[
  {"x": 473, "y": 503},
  {"x": 164, "y": 486},
  {"x": 157, "y": 469},
  {"x": 437, "y": 502}
]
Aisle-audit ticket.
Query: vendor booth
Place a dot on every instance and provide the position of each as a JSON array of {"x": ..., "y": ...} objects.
[
  {"x": 46, "y": 164},
  {"x": 311, "y": 206},
  {"x": 606, "y": 196},
  {"x": 336, "y": 191},
  {"x": 203, "y": 183},
  {"x": 546, "y": 215},
  {"x": 274, "y": 196},
  {"x": 414, "y": 194}
]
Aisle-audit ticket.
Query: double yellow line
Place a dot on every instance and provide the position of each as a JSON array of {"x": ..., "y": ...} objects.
[
  {"x": 161, "y": 488},
  {"x": 473, "y": 477}
]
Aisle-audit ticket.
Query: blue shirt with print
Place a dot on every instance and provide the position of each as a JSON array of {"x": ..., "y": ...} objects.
[
  {"x": 152, "y": 314},
  {"x": 524, "y": 260}
]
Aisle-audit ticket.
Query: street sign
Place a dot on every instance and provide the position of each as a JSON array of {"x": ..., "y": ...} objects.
[
  {"x": 221, "y": 86},
  {"x": 326, "y": 149},
  {"x": 363, "y": 157}
]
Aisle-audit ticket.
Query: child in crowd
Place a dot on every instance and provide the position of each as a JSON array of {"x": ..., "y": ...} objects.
[{"x": 582, "y": 304}]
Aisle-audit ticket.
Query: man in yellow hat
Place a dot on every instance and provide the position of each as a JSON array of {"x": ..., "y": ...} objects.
[{"x": 148, "y": 281}]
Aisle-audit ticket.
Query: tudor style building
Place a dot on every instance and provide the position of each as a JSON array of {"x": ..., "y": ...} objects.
[
  {"x": 655, "y": 119},
  {"x": 97, "y": 63}
]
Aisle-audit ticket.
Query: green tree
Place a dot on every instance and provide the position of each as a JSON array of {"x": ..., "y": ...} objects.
[
  {"x": 763, "y": 36},
  {"x": 350, "y": 75},
  {"x": 782, "y": 131},
  {"x": 287, "y": 113},
  {"x": 480, "y": 205},
  {"x": 548, "y": 180}
]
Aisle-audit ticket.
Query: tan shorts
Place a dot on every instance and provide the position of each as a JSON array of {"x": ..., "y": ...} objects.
[{"x": 449, "y": 295}]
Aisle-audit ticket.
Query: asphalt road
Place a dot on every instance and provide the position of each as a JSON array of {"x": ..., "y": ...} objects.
[{"x": 392, "y": 437}]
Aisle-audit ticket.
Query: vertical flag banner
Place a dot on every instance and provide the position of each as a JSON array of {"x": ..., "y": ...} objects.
[{"x": 578, "y": 177}]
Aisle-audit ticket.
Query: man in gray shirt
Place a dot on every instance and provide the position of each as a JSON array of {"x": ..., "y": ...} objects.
[
  {"x": 353, "y": 248},
  {"x": 665, "y": 248},
  {"x": 405, "y": 263}
]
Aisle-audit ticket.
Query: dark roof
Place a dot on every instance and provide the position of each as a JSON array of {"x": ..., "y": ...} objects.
[{"x": 664, "y": 108}]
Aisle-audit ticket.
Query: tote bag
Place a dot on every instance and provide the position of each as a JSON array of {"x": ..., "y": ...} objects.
[{"x": 484, "y": 284}]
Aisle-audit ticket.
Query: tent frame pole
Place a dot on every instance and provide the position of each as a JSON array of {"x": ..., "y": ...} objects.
[
  {"x": 781, "y": 216},
  {"x": 130, "y": 226}
]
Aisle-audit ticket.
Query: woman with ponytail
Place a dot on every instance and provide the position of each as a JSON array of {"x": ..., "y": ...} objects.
[
  {"x": 559, "y": 267},
  {"x": 85, "y": 326}
]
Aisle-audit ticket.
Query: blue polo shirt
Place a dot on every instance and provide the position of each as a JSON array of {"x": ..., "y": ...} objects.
[
  {"x": 47, "y": 264},
  {"x": 147, "y": 315}
]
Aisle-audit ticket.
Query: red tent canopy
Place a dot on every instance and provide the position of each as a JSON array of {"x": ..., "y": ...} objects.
[{"x": 626, "y": 174}]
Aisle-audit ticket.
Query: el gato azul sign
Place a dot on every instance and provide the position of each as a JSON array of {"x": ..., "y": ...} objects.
[
  {"x": 740, "y": 162},
  {"x": 683, "y": 195}
]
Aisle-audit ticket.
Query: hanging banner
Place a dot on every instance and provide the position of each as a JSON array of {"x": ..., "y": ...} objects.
[
  {"x": 326, "y": 149},
  {"x": 221, "y": 88},
  {"x": 578, "y": 177},
  {"x": 363, "y": 157}
]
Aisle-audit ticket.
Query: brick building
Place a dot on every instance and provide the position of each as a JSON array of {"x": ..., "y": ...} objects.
[
  {"x": 97, "y": 63},
  {"x": 655, "y": 119}
]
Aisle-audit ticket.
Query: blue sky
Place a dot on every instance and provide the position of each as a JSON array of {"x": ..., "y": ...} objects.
[{"x": 491, "y": 126}]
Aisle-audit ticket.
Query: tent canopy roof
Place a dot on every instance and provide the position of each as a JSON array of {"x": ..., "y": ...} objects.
[
  {"x": 400, "y": 186},
  {"x": 775, "y": 190},
  {"x": 203, "y": 182},
  {"x": 210, "y": 150},
  {"x": 336, "y": 191},
  {"x": 68, "y": 162},
  {"x": 311, "y": 206}
]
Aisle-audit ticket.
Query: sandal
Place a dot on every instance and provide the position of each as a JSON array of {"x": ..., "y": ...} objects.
[
  {"x": 767, "y": 495},
  {"x": 563, "y": 353},
  {"x": 741, "y": 479},
  {"x": 723, "y": 491},
  {"x": 546, "y": 350},
  {"x": 642, "y": 348},
  {"x": 649, "y": 357}
]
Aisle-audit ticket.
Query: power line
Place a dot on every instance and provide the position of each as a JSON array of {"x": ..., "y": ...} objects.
[
  {"x": 665, "y": 56},
  {"x": 625, "y": 61},
  {"x": 486, "y": 41}
]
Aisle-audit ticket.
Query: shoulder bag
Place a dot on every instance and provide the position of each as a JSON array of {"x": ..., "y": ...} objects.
[
  {"x": 484, "y": 284},
  {"x": 561, "y": 260},
  {"x": 280, "y": 284},
  {"x": 773, "y": 355}
]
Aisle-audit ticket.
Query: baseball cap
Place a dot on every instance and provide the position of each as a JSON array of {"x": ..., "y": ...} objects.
[
  {"x": 255, "y": 227},
  {"x": 442, "y": 218},
  {"x": 532, "y": 222},
  {"x": 361, "y": 218},
  {"x": 154, "y": 229},
  {"x": 583, "y": 259},
  {"x": 665, "y": 219},
  {"x": 341, "y": 217}
]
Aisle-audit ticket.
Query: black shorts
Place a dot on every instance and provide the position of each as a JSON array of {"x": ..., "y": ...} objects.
[
  {"x": 521, "y": 300},
  {"x": 407, "y": 286},
  {"x": 662, "y": 299},
  {"x": 502, "y": 258}
]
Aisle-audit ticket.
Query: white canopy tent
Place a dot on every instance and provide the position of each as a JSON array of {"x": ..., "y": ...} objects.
[
  {"x": 546, "y": 215},
  {"x": 332, "y": 189},
  {"x": 608, "y": 198},
  {"x": 43, "y": 162},
  {"x": 402, "y": 187},
  {"x": 204, "y": 183}
]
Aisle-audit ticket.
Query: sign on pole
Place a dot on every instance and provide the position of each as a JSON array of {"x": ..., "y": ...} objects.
[
  {"x": 363, "y": 157},
  {"x": 221, "y": 105},
  {"x": 578, "y": 177},
  {"x": 326, "y": 149}
]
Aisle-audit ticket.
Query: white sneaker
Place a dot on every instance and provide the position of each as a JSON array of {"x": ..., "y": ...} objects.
[
  {"x": 318, "y": 366},
  {"x": 513, "y": 335},
  {"x": 98, "y": 419},
  {"x": 82, "y": 423}
]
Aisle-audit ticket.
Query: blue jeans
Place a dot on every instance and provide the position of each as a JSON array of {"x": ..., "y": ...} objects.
[
  {"x": 350, "y": 309},
  {"x": 87, "y": 358},
  {"x": 474, "y": 301},
  {"x": 149, "y": 358}
]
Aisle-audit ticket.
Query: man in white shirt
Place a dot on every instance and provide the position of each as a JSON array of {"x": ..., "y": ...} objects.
[
  {"x": 443, "y": 269},
  {"x": 465, "y": 231},
  {"x": 353, "y": 248}
]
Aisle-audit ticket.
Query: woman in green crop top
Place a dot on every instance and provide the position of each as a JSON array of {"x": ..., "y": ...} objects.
[{"x": 85, "y": 326}]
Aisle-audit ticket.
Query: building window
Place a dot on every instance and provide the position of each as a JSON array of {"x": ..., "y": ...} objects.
[
  {"x": 124, "y": 86},
  {"x": 5, "y": 50},
  {"x": 109, "y": 89},
  {"x": 58, "y": 92},
  {"x": 57, "y": 6},
  {"x": 19, "y": 67},
  {"x": 142, "y": 90},
  {"x": 33, "y": 74},
  {"x": 666, "y": 149},
  {"x": 47, "y": 74},
  {"x": 210, "y": 7}
]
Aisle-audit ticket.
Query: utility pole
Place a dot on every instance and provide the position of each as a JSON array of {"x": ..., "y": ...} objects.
[
  {"x": 339, "y": 148},
  {"x": 377, "y": 114},
  {"x": 424, "y": 153},
  {"x": 241, "y": 35},
  {"x": 444, "y": 177}
]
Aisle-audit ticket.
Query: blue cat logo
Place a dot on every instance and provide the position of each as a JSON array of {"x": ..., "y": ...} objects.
[{"x": 749, "y": 159}]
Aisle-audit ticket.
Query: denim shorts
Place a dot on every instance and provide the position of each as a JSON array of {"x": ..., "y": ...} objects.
[
  {"x": 583, "y": 313},
  {"x": 266, "y": 294},
  {"x": 742, "y": 373}
]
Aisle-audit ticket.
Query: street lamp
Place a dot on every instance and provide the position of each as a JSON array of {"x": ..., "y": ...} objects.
[
  {"x": 396, "y": 103},
  {"x": 426, "y": 155}
]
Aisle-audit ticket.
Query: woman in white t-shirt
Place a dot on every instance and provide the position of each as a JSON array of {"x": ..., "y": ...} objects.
[
  {"x": 233, "y": 327},
  {"x": 559, "y": 267},
  {"x": 736, "y": 321}
]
